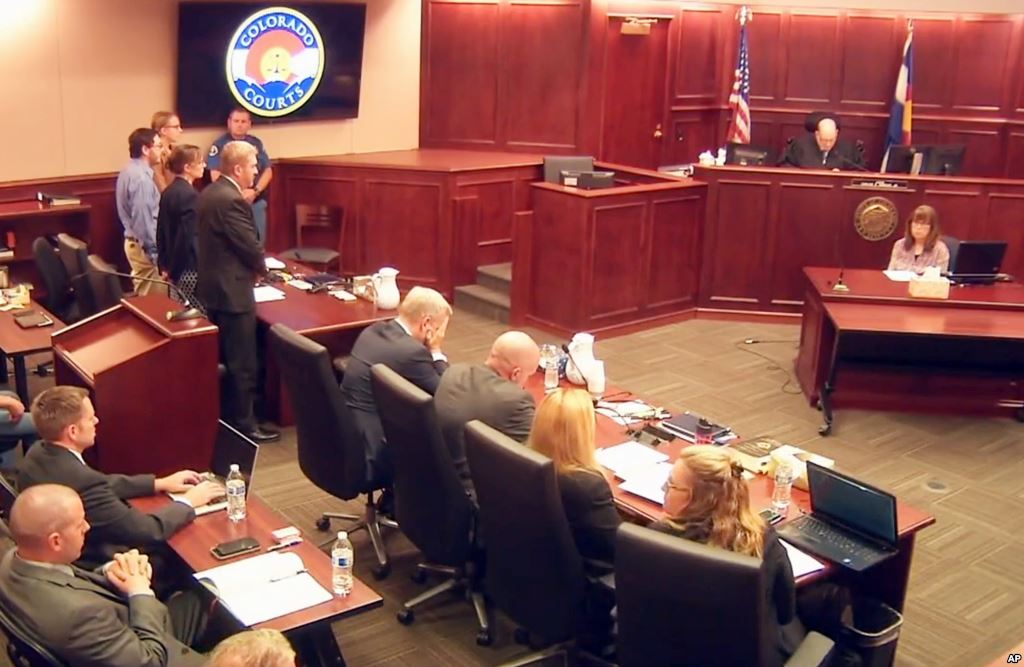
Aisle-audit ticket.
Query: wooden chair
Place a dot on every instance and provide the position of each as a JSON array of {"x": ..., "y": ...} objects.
[{"x": 312, "y": 223}]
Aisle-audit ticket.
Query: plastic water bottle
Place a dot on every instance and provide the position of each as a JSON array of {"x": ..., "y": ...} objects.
[
  {"x": 235, "y": 491},
  {"x": 341, "y": 565},
  {"x": 551, "y": 376},
  {"x": 783, "y": 491}
]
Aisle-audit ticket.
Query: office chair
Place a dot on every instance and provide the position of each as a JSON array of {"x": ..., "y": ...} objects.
[
  {"x": 534, "y": 571},
  {"x": 685, "y": 604},
  {"x": 324, "y": 221},
  {"x": 22, "y": 649},
  {"x": 7, "y": 496},
  {"x": 104, "y": 287},
  {"x": 953, "y": 244},
  {"x": 74, "y": 255},
  {"x": 330, "y": 451},
  {"x": 59, "y": 299},
  {"x": 432, "y": 507}
]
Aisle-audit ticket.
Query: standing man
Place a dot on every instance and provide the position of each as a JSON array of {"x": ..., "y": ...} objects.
[
  {"x": 230, "y": 263},
  {"x": 138, "y": 200},
  {"x": 239, "y": 124}
]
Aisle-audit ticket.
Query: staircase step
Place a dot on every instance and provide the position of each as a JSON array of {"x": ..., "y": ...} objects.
[
  {"x": 483, "y": 301},
  {"x": 497, "y": 277}
]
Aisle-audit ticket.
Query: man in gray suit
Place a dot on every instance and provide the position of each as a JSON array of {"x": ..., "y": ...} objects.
[
  {"x": 491, "y": 392},
  {"x": 86, "y": 618}
]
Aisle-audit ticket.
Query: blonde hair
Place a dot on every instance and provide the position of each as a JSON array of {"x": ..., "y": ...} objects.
[
  {"x": 720, "y": 497},
  {"x": 57, "y": 408},
  {"x": 235, "y": 153},
  {"x": 563, "y": 430},
  {"x": 423, "y": 302},
  {"x": 161, "y": 119},
  {"x": 253, "y": 648}
]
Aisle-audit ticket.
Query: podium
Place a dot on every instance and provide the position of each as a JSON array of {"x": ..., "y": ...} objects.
[{"x": 153, "y": 382}]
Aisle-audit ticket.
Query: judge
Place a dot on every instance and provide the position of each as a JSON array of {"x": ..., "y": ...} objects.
[{"x": 821, "y": 147}]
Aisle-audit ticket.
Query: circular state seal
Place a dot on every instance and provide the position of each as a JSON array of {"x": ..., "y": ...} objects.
[
  {"x": 875, "y": 218},
  {"x": 275, "y": 61}
]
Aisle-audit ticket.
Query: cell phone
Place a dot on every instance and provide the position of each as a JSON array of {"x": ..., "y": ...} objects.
[
  {"x": 30, "y": 319},
  {"x": 226, "y": 550},
  {"x": 770, "y": 516}
]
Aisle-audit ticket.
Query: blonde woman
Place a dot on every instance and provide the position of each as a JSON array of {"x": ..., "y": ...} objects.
[
  {"x": 563, "y": 430},
  {"x": 168, "y": 126}
]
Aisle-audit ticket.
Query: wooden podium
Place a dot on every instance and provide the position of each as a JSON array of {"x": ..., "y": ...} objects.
[{"x": 153, "y": 382}]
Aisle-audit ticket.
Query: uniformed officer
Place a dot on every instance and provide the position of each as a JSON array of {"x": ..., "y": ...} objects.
[{"x": 239, "y": 124}]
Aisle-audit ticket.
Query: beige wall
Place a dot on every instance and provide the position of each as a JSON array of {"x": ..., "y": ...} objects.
[{"x": 86, "y": 72}]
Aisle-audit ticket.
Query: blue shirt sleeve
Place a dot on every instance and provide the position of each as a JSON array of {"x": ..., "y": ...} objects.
[
  {"x": 139, "y": 207},
  {"x": 213, "y": 157},
  {"x": 262, "y": 159}
]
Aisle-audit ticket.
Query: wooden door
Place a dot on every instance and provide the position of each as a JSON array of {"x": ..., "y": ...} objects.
[{"x": 633, "y": 113}]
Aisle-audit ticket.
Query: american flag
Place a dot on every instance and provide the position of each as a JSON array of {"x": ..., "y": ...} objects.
[{"x": 739, "y": 98}]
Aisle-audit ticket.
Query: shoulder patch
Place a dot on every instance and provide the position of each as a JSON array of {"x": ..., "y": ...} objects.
[{"x": 214, "y": 150}]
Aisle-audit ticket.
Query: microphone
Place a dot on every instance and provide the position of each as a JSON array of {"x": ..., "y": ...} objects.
[
  {"x": 843, "y": 158},
  {"x": 189, "y": 312},
  {"x": 579, "y": 369}
]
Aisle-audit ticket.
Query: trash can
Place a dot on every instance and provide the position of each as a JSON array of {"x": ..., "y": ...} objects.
[{"x": 873, "y": 633}]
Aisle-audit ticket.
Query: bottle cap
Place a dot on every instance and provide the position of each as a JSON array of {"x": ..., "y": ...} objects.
[
  {"x": 234, "y": 467},
  {"x": 342, "y": 535}
]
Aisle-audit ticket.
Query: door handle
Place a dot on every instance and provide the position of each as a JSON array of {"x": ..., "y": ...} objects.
[{"x": 657, "y": 131}]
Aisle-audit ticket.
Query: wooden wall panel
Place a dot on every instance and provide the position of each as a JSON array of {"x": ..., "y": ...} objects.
[
  {"x": 674, "y": 251},
  {"x": 985, "y": 151},
  {"x": 764, "y": 36},
  {"x": 810, "y": 58},
  {"x": 491, "y": 237},
  {"x": 734, "y": 251},
  {"x": 698, "y": 61},
  {"x": 617, "y": 241},
  {"x": 690, "y": 133},
  {"x": 934, "y": 43},
  {"x": 983, "y": 60},
  {"x": 399, "y": 211},
  {"x": 1015, "y": 152},
  {"x": 957, "y": 207},
  {"x": 1006, "y": 222},
  {"x": 809, "y": 212},
  {"x": 870, "y": 61}
]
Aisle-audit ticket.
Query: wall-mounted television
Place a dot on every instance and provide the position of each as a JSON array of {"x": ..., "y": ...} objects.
[{"x": 282, "y": 61}]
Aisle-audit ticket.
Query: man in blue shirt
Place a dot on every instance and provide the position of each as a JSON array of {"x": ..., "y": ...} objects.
[
  {"x": 138, "y": 201},
  {"x": 239, "y": 124}
]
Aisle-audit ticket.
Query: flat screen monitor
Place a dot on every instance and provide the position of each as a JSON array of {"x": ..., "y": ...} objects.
[
  {"x": 944, "y": 160},
  {"x": 979, "y": 258},
  {"x": 746, "y": 155},
  {"x": 587, "y": 180},
  {"x": 288, "y": 62},
  {"x": 554, "y": 165},
  {"x": 900, "y": 159}
]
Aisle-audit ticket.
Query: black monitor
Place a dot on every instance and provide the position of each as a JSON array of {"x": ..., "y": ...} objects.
[
  {"x": 554, "y": 165},
  {"x": 587, "y": 180},
  {"x": 979, "y": 258},
  {"x": 901, "y": 159},
  {"x": 746, "y": 155},
  {"x": 944, "y": 160}
]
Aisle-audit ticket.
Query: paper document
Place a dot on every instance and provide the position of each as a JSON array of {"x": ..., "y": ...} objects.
[
  {"x": 801, "y": 562},
  {"x": 629, "y": 455},
  {"x": 264, "y": 293},
  {"x": 273, "y": 263},
  {"x": 343, "y": 295},
  {"x": 648, "y": 482},
  {"x": 263, "y": 587},
  {"x": 899, "y": 276},
  {"x": 300, "y": 284}
]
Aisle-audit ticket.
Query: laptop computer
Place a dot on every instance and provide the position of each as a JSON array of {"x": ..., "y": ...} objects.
[
  {"x": 231, "y": 447},
  {"x": 851, "y": 523},
  {"x": 978, "y": 261}
]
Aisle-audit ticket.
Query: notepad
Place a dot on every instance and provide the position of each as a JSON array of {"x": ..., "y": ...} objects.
[
  {"x": 273, "y": 263},
  {"x": 263, "y": 587},
  {"x": 899, "y": 276},
  {"x": 801, "y": 562},
  {"x": 263, "y": 293},
  {"x": 629, "y": 455},
  {"x": 648, "y": 482}
]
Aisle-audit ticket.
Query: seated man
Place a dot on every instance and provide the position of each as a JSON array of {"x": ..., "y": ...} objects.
[
  {"x": 87, "y": 618},
  {"x": 491, "y": 392},
  {"x": 15, "y": 425},
  {"x": 67, "y": 422},
  {"x": 822, "y": 148},
  {"x": 410, "y": 344},
  {"x": 254, "y": 648}
]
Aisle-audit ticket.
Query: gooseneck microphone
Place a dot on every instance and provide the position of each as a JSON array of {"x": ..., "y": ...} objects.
[
  {"x": 189, "y": 312},
  {"x": 579, "y": 369},
  {"x": 859, "y": 167}
]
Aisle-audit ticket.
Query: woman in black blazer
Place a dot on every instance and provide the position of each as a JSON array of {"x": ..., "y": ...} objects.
[{"x": 176, "y": 222}]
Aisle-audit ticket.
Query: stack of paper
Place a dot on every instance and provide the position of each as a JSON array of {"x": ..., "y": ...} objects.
[
  {"x": 264, "y": 293},
  {"x": 648, "y": 482},
  {"x": 627, "y": 456},
  {"x": 273, "y": 263},
  {"x": 801, "y": 562}
]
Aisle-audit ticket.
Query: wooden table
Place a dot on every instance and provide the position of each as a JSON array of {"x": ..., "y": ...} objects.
[
  {"x": 333, "y": 323},
  {"x": 309, "y": 629},
  {"x": 16, "y": 343},
  {"x": 876, "y": 347}
]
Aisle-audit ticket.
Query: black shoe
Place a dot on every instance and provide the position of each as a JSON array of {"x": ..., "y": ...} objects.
[{"x": 259, "y": 435}]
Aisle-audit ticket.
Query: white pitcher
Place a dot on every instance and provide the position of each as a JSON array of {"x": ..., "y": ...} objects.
[
  {"x": 385, "y": 283},
  {"x": 582, "y": 348}
]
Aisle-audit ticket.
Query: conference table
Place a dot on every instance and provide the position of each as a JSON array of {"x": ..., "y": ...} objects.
[
  {"x": 309, "y": 629},
  {"x": 874, "y": 346},
  {"x": 17, "y": 343}
]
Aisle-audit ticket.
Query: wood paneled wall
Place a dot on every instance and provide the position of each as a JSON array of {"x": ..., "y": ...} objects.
[{"x": 543, "y": 75}]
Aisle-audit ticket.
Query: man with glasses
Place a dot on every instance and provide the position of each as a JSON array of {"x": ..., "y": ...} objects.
[{"x": 138, "y": 201}]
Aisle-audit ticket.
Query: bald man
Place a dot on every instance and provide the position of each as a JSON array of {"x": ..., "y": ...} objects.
[
  {"x": 822, "y": 149},
  {"x": 85, "y": 618},
  {"x": 491, "y": 392}
]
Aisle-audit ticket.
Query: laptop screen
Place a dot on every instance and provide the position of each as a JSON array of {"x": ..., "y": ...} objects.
[
  {"x": 979, "y": 257},
  {"x": 233, "y": 447},
  {"x": 852, "y": 504}
]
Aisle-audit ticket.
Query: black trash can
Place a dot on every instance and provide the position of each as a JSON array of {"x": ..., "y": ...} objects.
[{"x": 874, "y": 632}]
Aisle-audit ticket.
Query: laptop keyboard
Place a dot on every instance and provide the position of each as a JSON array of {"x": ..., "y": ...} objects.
[{"x": 826, "y": 534}]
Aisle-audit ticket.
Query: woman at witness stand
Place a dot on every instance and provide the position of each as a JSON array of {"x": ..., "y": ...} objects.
[
  {"x": 176, "y": 222},
  {"x": 707, "y": 501},
  {"x": 168, "y": 125},
  {"x": 920, "y": 246}
]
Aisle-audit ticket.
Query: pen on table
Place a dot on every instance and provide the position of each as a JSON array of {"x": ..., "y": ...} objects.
[
  {"x": 289, "y": 576},
  {"x": 284, "y": 545}
]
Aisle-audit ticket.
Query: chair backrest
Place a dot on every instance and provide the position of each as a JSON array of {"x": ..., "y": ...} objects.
[
  {"x": 953, "y": 244},
  {"x": 327, "y": 223},
  {"x": 55, "y": 278},
  {"x": 105, "y": 287},
  {"x": 331, "y": 453},
  {"x": 685, "y": 604},
  {"x": 74, "y": 254},
  {"x": 7, "y": 496},
  {"x": 22, "y": 648},
  {"x": 534, "y": 571},
  {"x": 430, "y": 503}
]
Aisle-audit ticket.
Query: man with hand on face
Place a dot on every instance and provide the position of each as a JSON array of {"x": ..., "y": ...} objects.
[
  {"x": 410, "y": 345},
  {"x": 109, "y": 617},
  {"x": 822, "y": 148},
  {"x": 66, "y": 421}
]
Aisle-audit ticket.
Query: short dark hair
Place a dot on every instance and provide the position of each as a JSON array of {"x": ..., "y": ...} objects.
[
  {"x": 235, "y": 110},
  {"x": 182, "y": 156},
  {"x": 57, "y": 408},
  {"x": 140, "y": 138}
]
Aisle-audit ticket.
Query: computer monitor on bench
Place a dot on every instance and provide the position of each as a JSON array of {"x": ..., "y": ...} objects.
[{"x": 978, "y": 261}]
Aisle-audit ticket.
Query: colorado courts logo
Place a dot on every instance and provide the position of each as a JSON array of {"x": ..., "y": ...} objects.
[{"x": 275, "y": 61}]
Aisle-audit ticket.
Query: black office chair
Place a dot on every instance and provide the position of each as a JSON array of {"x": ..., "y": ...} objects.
[
  {"x": 331, "y": 453},
  {"x": 685, "y": 604},
  {"x": 104, "y": 287},
  {"x": 953, "y": 244},
  {"x": 432, "y": 507},
  {"x": 74, "y": 255},
  {"x": 56, "y": 281},
  {"x": 22, "y": 648},
  {"x": 7, "y": 496},
  {"x": 534, "y": 571}
]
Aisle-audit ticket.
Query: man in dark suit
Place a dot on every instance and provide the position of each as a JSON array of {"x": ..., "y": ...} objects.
[
  {"x": 491, "y": 392},
  {"x": 66, "y": 421},
  {"x": 230, "y": 262},
  {"x": 109, "y": 617},
  {"x": 822, "y": 148},
  {"x": 410, "y": 345}
]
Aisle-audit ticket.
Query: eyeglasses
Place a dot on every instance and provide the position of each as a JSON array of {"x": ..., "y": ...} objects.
[
  {"x": 923, "y": 223},
  {"x": 669, "y": 484}
]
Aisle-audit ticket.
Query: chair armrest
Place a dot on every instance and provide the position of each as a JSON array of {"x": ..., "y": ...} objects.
[
  {"x": 813, "y": 651},
  {"x": 340, "y": 365}
]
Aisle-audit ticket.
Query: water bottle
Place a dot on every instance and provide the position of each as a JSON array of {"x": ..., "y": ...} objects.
[
  {"x": 551, "y": 376},
  {"x": 702, "y": 435},
  {"x": 341, "y": 565},
  {"x": 235, "y": 491},
  {"x": 783, "y": 491}
]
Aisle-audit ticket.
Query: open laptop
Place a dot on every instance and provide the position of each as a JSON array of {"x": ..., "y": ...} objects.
[
  {"x": 850, "y": 523},
  {"x": 978, "y": 261},
  {"x": 231, "y": 447}
]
